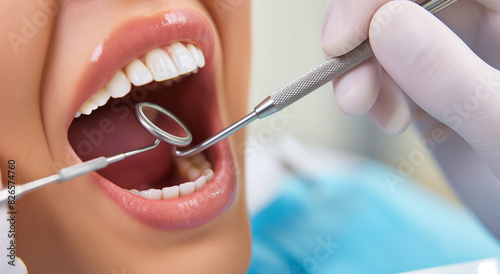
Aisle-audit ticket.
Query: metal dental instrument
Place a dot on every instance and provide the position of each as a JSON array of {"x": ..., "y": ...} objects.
[
  {"x": 157, "y": 121},
  {"x": 165, "y": 126},
  {"x": 146, "y": 114},
  {"x": 71, "y": 172},
  {"x": 304, "y": 85}
]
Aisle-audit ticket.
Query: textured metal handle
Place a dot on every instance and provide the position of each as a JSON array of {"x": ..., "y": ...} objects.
[
  {"x": 320, "y": 75},
  {"x": 313, "y": 79},
  {"x": 327, "y": 71}
]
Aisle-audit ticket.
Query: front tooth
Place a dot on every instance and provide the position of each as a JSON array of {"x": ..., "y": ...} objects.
[
  {"x": 197, "y": 55},
  {"x": 138, "y": 73},
  {"x": 119, "y": 85},
  {"x": 87, "y": 108},
  {"x": 186, "y": 188},
  {"x": 78, "y": 114},
  {"x": 170, "y": 192},
  {"x": 182, "y": 58},
  {"x": 153, "y": 194},
  {"x": 101, "y": 97},
  {"x": 200, "y": 182},
  {"x": 160, "y": 65}
]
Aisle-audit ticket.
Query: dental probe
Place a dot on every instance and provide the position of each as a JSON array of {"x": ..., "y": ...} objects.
[
  {"x": 303, "y": 85},
  {"x": 71, "y": 172}
]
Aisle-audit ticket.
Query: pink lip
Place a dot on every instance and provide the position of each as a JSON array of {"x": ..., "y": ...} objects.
[
  {"x": 183, "y": 212},
  {"x": 134, "y": 39}
]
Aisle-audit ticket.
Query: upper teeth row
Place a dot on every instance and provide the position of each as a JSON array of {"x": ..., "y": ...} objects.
[{"x": 159, "y": 66}]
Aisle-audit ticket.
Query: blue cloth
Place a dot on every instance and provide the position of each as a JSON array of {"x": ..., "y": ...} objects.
[{"x": 363, "y": 223}]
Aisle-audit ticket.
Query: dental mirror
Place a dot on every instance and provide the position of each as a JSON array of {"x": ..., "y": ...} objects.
[{"x": 162, "y": 124}]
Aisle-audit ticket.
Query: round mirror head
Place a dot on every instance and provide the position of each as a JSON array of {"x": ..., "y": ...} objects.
[{"x": 162, "y": 124}]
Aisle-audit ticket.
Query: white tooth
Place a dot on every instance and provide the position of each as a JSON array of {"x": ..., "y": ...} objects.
[
  {"x": 119, "y": 85},
  {"x": 202, "y": 57},
  {"x": 101, "y": 97},
  {"x": 209, "y": 174},
  {"x": 160, "y": 65},
  {"x": 153, "y": 194},
  {"x": 87, "y": 108},
  {"x": 170, "y": 192},
  {"x": 182, "y": 58},
  {"x": 138, "y": 73},
  {"x": 197, "y": 55},
  {"x": 78, "y": 114},
  {"x": 186, "y": 188},
  {"x": 135, "y": 191},
  {"x": 200, "y": 182}
]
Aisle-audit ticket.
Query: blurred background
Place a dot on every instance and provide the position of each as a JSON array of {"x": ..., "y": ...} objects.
[
  {"x": 389, "y": 227},
  {"x": 287, "y": 43}
]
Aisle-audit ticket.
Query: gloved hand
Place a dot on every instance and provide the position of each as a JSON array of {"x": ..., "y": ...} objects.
[
  {"x": 424, "y": 58},
  {"x": 428, "y": 61}
]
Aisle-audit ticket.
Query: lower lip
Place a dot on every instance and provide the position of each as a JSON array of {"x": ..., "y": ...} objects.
[{"x": 184, "y": 212}]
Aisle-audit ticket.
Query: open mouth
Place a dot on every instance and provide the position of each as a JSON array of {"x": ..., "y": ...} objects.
[{"x": 174, "y": 69}]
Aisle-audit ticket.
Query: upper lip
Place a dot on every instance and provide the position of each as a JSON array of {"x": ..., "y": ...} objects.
[
  {"x": 119, "y": 48},
  {"x": 135, "y": 38}
]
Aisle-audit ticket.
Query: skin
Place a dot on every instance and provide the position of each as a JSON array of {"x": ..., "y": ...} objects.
[{"x": 58, "y": 229}]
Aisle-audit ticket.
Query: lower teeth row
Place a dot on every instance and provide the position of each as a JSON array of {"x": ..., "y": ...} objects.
[{"x": 189, "y": 168}]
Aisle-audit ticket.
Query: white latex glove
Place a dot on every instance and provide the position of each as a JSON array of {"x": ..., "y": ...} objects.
[
  {"x": 428, "y": 61},
  {"x": 419, "y": 55}
]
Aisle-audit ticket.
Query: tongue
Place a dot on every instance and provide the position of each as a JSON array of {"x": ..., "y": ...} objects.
[{"x": 112, "y": 130}]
